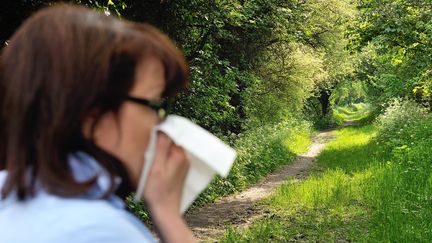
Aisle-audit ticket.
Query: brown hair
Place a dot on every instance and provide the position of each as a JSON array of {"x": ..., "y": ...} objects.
[{"x": 63, "y": 63}]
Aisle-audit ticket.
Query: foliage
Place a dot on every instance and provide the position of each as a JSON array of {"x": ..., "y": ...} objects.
[
  {"x": 260, "y": 151},
  {"x": 396, "y": 34},
  {"x": 374, "y": 185},
  {"x": 252, "y": 62},
  {"x": 326, "y": 207},
  {"x": 354, "y": 113},
  {"x": 288, "y": 80},
  {"x": 398, "y": 117},
  {"x": 338, "y": 64},
  {"x": 404, "y": 185},
  {"x": 348, "y": 93}
]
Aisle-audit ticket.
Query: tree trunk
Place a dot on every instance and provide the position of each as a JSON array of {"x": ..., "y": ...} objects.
[{"x": 325, "y": 102}]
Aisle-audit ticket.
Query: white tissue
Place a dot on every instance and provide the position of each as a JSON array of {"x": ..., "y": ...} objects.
[{"x": 207, "y": 156}]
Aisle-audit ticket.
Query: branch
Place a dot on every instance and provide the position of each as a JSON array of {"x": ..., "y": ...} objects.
[{"x": 201, "y": 44}]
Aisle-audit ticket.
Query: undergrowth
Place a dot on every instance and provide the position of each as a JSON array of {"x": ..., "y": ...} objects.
[
  {"x": 260, "y": 151},
  {"x": 341, "y": 114},
  {"x": 374, "y": 184},
  {"x": 323, "y": 208}
]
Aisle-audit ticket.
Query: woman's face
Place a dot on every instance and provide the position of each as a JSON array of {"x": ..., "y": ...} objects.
[{"x": 126, "y": 136}]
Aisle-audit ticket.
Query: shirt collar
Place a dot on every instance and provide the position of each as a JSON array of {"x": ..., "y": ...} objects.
[{"x": 83, "y": 167}]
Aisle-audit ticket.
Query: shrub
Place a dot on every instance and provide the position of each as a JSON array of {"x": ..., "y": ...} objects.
[
  {"x": 331, "y": 120},
  {"x": 395, "y": 123},
  {"x": 260, "y": 151},
  {"x": 402, "y": 199}
]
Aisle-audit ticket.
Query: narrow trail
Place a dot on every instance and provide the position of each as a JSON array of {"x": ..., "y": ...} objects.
[{"x": 240, "y": 210}]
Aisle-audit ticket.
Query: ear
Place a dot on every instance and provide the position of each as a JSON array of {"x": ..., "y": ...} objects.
[{"x": 89, "y": 123}]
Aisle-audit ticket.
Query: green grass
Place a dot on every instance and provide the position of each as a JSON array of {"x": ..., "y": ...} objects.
[
  {"x": 260, "y": 151},
  {"x": 350, "y": 151},
  {"x": 325, "y": 207},
  {"x": 298, "y": 142},
  {"x": 353, "y": 112},
  {"x": 364, "y": 190}
]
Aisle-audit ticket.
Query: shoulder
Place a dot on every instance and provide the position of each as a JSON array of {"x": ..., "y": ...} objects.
[
  {"x": 100, "y": 222},
  {"x": 55, "y": 219}
]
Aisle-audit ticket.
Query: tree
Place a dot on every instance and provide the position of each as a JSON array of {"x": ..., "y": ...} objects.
[
  {"x": 399, "y": 32},
  {"x": 249, "y": 60},
  {"x": 325, "y": 25}
]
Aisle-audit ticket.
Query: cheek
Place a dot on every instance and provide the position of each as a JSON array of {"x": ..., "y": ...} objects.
[
  {"x": 137, "y": 127},
  {"x": 137, "y": 124}
]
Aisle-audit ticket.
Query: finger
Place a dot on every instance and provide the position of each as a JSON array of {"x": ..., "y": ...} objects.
[
  {"x": 163, "y": 147},
  {"x": 178, "y": 157}
]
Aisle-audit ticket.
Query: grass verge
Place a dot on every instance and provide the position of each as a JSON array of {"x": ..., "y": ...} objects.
[
  {"x": 325, "y": 207},
  {"x": 375, "y": 185},
  {"x": 339, "y": 115},
  {"x": 260, "y": 151}
]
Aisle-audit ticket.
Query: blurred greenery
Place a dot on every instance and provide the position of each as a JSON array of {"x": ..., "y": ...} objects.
[
  {"x": 263, "y": 72},
  {"x": 373, "y": 184},
  {"x": 394, "y": 41},
  {"x": 255, "y": 65},
  {"x": 252, "y": 62}
]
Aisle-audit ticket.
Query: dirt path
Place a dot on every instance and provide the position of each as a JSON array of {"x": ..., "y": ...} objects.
[{"x": 239, "y": 210}]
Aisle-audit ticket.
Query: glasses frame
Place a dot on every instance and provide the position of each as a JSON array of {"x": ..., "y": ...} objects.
[{"x": 159, "y": 107}]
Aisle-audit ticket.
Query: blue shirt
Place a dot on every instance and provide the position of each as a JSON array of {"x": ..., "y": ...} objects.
[{"x": 49, "y": 218}]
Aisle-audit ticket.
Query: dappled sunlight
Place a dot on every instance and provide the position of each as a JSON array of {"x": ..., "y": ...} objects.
[
  {"x": 241, "y": 209},
  {"x": 373, "y": 194},
  {"x": 352, "y": 150},
  {"x": 327, "y": 104}
]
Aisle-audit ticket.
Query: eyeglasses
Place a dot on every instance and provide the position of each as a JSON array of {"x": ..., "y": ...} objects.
[{"x": 159, "y": 107}]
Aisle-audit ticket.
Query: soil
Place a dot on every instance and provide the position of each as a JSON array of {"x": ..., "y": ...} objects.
[{"x": 241, "y": 209}]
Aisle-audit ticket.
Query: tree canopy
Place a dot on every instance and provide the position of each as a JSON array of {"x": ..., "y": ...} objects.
[{"x": 395, "y": 38}]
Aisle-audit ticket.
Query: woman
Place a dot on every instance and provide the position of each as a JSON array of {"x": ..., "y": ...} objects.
[{"x": 79, "y": 94}]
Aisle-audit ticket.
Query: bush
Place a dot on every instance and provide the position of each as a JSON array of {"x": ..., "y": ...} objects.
[
  {"x": 331, "y": 120},
  {"x": 398, "y": 119},
  {"x": 339, "y": 115},
  {"x": 402, "y": 199},
  {"x": 260, "y": 151}
]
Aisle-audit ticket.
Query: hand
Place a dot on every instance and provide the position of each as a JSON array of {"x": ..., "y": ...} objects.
[
  {"x": 163, "y": 190},
  {"x": 166, "y": 176}
]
